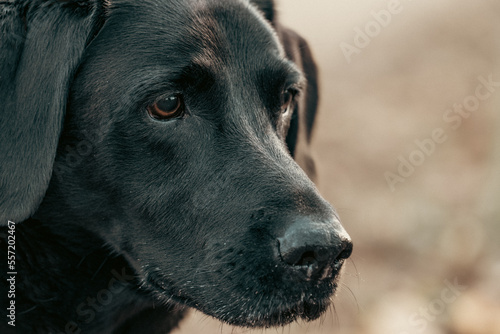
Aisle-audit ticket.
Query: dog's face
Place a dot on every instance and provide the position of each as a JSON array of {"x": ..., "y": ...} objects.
[{"x": 174, "y": 152}]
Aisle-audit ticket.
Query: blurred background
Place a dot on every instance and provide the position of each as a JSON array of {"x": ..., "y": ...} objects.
[{"x": 407, "y": 145}]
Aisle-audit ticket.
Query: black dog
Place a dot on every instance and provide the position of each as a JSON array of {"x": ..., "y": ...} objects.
[{"x": 146, "y": 156}]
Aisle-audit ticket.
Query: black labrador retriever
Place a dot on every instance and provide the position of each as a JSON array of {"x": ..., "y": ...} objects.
[{"x": 147, "y": 167}]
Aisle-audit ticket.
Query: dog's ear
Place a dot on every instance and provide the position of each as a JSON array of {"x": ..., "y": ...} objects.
[
  {"x": 266, "y": 7},
  {"x": 300, "y": 132},
  {"x": 297, "y": 50},
  {"x": 41, "y": 45}
]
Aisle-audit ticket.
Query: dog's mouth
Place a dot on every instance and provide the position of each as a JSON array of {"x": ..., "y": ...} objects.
[
  {"x": 307, "y": 310},
  {"x": 270, "y": 311}
]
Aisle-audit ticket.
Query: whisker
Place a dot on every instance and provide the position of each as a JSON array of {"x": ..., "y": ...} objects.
[{"x": 353, "y": 296}]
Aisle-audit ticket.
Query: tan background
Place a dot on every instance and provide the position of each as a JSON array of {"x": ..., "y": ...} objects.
[{"x": 442, "y": 224}]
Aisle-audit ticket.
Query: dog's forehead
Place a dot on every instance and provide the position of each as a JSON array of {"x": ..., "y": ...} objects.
[
  {"x": 205, "y": 32},
  {"x": 232, "y": 31}
]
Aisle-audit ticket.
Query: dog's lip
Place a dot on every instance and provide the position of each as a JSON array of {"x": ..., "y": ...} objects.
[
  {"x": 164, "y": 292},
  {"x": 308, "y": 306},
  {"x": 307, "y": 309}
]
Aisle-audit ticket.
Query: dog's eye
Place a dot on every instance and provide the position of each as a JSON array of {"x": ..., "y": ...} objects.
[
  {"x": 167, "y": 108},
  {"x": 287, "y": 100}
]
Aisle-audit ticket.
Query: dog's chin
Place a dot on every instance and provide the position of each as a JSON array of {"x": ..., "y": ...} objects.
[
  {"x": 275, "y": 313},
  {"x": 305, "y": 310}
]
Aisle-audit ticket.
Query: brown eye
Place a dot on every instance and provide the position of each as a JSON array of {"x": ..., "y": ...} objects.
[
  {"x": 287, "y": 100},
  {"x": 167, "y": 108}
]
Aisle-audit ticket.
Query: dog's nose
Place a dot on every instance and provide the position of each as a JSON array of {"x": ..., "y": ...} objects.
[{"x": 314, "y": 250}]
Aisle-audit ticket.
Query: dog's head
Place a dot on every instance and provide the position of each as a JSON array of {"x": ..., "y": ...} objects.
[{"x": 179, "y": 118}]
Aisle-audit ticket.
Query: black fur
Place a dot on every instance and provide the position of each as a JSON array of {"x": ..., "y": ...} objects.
[{"x": 124, "y": 221}]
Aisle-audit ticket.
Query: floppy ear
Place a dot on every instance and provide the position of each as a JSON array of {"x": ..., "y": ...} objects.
[
  {"x": 42, "y": 42},
  {"x": 266, "y": 7},
  {"x": 302, "y": 124},
  {"x": 301, "y": 127}
]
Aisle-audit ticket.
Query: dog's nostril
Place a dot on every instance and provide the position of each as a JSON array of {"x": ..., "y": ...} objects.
[
  {"x": 307, "y": 259},
  {"x": 346, "y": 251},
  {"x": 299, "y": 257},
  {"x": 314, "y": 249}
]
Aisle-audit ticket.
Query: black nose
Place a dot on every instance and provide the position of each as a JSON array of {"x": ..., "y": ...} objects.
[{"x": 314, "y": 249}]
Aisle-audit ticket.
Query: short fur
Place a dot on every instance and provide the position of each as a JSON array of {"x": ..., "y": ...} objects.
[{"x": 123, "y": 221}]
